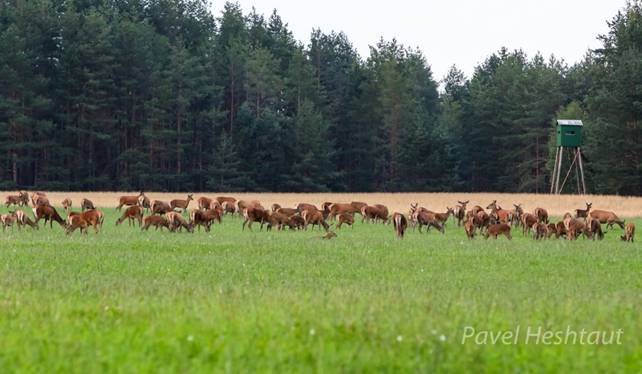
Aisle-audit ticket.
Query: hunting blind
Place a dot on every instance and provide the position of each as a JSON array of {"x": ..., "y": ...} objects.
[{"x": 569, "y": 137}]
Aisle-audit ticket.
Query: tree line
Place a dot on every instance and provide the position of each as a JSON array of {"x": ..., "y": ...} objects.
[{"x": 164, "y": 95}]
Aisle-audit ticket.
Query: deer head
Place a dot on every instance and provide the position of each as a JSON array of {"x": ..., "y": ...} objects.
[
  {"x": 190, "y": 197},
  {"x": 588, "y": 206},
  {"x": 450, "y": 211},
  {"x": 492, "y": 205}
]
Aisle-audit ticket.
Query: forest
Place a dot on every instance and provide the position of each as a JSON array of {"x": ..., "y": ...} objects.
[{"x": 164, "y": 95}]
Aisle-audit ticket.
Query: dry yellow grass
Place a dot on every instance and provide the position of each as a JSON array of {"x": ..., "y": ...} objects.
[{"x": 624, "y": 206}]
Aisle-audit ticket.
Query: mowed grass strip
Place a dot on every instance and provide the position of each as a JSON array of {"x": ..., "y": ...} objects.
[{"x": 126, "y": 300}]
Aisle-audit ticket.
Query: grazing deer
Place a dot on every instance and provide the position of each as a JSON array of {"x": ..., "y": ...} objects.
[
  {"x": 629, "y": 233},
  {"x": 230, "y": 201},
  {"x": 93, "y": 218},
  {"x": 498, "y": 229},
  {"x": 607, "y": 217},
  {"x": 575, "y": 228},
  {"x": 374, "y": 213},
  {"x": 66, "y": 205},
  {"x": 560, "y": 229},
  {"x": 181, "y": 205},
  {"x": 129, "y": 200},
  {"x": 583, "y": 213},
  {"x": 296, "y": 222},
  {"x": 541, "y": 214},
  {"x": 314, "y": 218},
  {"x": 460, "y": 211},
  {"x": 205, "y": 218},
  {"x": 132, "y": 214},
  {"x": 160, "y": 207},
  {"x": 228, "y": 207},
  {"x": 49, "y": 213},
  {"x": 177, "y": 222},
  {"x": 86, "y": 204},
  {"x": 204, "y": 202},
  {"x": 346, "y": 218},
  {"x": 551, "y": 229},
  {"x": 277, "y": 219},
  {"x": 425, "y": 218},
  {"x": 156, "y": 221},
  {"x": 75, "y": 222},
  {"x": 401, "y": 223},
  {"x": 23, "y": 219},
  {"x": 254, "y": 214}
]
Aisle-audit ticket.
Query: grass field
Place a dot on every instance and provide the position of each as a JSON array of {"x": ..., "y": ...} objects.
[{"x": 235, "y": 301}]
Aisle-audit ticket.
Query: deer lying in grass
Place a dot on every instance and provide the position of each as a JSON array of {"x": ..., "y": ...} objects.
[
  {"x": 583, "y": 213},
  {"x": 498, "y": 229},
  {"x": 401, "y": 223},
  {"x": 181, "y": 205},
  {"x": 629, "y": 233},
  {"x": 607, "y": 217},
  {"x": 132, "y": 214},
  {"x": 156, "y": 221}
]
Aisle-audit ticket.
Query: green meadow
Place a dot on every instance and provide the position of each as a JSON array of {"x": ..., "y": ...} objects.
[{"x": 240, "y": 301}]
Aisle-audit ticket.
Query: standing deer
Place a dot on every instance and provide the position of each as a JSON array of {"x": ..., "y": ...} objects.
[
  {"x": 86, "y": 204},
  {"x": 132, "y": 214},
  {"x": 583, "y": 213},
  {"x": 499, "y": 214},
  {"x": 541, "y": 214},
  {"x": 401, "y": 223},
  {"x": 181, "y": 205},
  {"x": 160, "y": 207},
  {"x": 607, "y": 217},
  {"x": 460, "y": 211},
  {"x": 498, "y": 229},
  {"x": 129, "y": 200},
  {"x": 66, "y": 205},
  {"x": 346, "y": 218}
]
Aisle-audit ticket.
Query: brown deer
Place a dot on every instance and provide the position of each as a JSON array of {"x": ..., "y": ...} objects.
[
  {"x": 254, "y": 214},
  {"x": 204, "y": 202},
  {"x": 275, "y": 207},
  {"x": 541, "y": 214},
  {"x": 469, "y": 227},
  {"x": 66, "y": 204},
  {"x": 144, "y": 202},
  {"x": 160, "y": 207},
  {"x": 346, "y": 218},
  {"x": 244, "y": 204},
  {"x": 314, "y": 218},
  {"x": 499, "y": 214},
  {"x": 7, "y": 220},
  {"x": 132, "y": 214},
  {"x": 460, "y": 211},
  {"x": 21, "y": 199},
  {"x": 401, "y": 223},
  {"x": 575, "y": 228},
  {"x": 551, "y": 229},
  {"x": 593, "y": 229},
  {"x": 629, "y": 233},
  {"x": 129, "y": 200},
  {"x": 583, "y": 213},
  {"x": 93, "y": 218},
  {"x": 443, "y": 217},
  {"x": 539, "y": 231},
  {"x": 340, "y": 208},
  {"x": 181, "y": 205},
  {"x": 482, "y": 220},
  {"x": 560, "y": 229},
  {"x": 49, "y": 214},
  {"x": 528, "y": 220},
  {"x": 516, "y": 215},
  {"x": 288, "y": 211},
  {"x": 156, "y": 221},
  {"x": 205, "y": 218},
  {"x": 374, "y": 213},
  {"x": 228, "y": 207},
  {"x": 428, "y": 219},
  {"x": 278, "y": 220},
  {"x": 498, "y": 229},
  {"x": 75, "y": 222},
  {"x": 607, "y": 217},
  {"x": 22, "y": 219},
  {"x": 86, "y": 204},
  {"x": 296, "y": 222},
  {"x": 357, "y": 205},
  {"x": 39, "y": 198},
  {"x": 177, "y": 222},
  {"x": 230, "y": 201}
]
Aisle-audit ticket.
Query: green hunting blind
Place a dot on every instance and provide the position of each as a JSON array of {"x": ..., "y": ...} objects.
[{"x": 569, "y": 133}]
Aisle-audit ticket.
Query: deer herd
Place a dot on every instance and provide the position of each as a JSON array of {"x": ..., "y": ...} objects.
[{"x": 492, "y": 221}]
